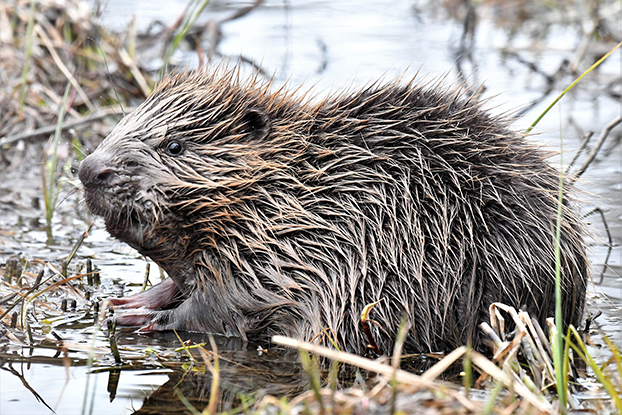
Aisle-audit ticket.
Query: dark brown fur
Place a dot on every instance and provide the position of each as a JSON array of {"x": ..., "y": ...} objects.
[{"x": 284, "y": 216}]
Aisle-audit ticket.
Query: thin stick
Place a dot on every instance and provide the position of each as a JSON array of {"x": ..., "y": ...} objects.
[
  {"x": 43, "y": 131},
  {"x": 609, "y": 241},
  {"x": 586, "y": 139},
  {"x": 601, "y": 140}
]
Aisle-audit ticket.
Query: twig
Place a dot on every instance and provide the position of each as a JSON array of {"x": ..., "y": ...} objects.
[
  {"x": 27, "y": 386},
  {"x": 609, "y": 240},
  {"x": 532, "y": 66},
  {"x": 67, "y": 125},
  {"x": 596, "y": 149},
  {"x": 242, "y": 11},
  {"x": 586, "y": 138}
]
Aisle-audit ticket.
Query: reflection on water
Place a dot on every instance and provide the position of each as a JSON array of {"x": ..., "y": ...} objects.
[
  {"x": 329, "y": 45},
  {"x": 151, "y": 375},
  {"x": 31, "y": 388}
]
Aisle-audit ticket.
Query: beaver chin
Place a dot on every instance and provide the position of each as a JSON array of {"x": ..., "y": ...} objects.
[
  {"x": 129, "y": 225},
  {"x": 98, "y": 202},
  {"x": 131, "y": 231}
]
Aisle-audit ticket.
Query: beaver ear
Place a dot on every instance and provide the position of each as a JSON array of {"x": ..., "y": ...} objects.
[{"x": 257, "y": 123}]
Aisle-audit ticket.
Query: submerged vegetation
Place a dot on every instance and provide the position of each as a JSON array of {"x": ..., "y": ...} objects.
[{"x": 65, "y": 81}]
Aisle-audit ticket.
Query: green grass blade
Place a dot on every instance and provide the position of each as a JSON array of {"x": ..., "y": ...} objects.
[
  {"x": 604, "y": 379},
  {"x": 601, "y": 60},
  {"x": 617, "y": 356},
  {"x": 186, "y": 402},
  {"x": 194, "y": 11},
  {"x": 311, "y": 366},
  {"x": 557, "y": 342},
  {"x": 50, "y": 192}
]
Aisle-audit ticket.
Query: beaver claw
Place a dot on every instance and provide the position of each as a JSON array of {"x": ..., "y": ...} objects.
[{"x": 144, "y": 318}]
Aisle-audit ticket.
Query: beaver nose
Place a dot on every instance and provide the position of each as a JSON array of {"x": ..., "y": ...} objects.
[{"x": 93, "y": 172}]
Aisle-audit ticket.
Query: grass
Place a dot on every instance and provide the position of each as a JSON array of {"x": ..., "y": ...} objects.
[
  {"x": 557, "y": 341},
  {"x": 560, "y": 350},
  {"x": 572, "y": 85},
  {"x": 611, "y": 385},
  {"x": 311, "y": 366},
  {"x": 214, "y": 369},
  {"x": 193, "y": 11},
  {"x": 507, "y": 381},
  {"x": 51, "y": 185}
]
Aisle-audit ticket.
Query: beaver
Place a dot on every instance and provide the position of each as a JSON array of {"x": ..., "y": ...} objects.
[{"x": 272, "y": 213}]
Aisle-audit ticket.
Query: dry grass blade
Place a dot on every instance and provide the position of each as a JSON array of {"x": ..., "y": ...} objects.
[
  {"x": 215, "y": 370},
  {"x": 48, "y": 44},
  {"x": 400, "y": 375},
  {"x": 490, "y": 368},
  {"x": 436, "y": 370},
  {"x": 142, "y": 82},
  {"x": 62, "y": 49}
]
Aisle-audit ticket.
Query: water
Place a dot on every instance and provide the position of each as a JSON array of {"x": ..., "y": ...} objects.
[{"x": 327, "y": 46}]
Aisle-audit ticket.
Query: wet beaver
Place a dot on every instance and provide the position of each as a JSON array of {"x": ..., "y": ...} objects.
[{"x": 272, "y": 215}]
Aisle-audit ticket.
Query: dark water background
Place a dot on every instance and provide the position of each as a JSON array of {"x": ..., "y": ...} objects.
[{"x": 328, "y": 46}]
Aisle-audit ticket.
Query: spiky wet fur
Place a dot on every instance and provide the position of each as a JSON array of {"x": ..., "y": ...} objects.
[{"x": 292, "y": 223}]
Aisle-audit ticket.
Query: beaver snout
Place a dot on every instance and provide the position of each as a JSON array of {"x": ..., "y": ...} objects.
[{"x": 94, "y": 172}]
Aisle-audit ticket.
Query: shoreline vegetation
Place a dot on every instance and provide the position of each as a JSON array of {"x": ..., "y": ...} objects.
[{"x": 65, "y": 76}]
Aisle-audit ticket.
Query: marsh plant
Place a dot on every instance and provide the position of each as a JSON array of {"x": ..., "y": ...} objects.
[{"x": 50, "y": 181}]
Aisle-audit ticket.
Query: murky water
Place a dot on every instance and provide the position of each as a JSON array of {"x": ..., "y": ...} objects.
[{"x": 328, "y": 46}]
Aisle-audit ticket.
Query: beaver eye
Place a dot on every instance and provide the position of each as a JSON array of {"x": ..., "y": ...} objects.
[{"x": 174, "y": 148}]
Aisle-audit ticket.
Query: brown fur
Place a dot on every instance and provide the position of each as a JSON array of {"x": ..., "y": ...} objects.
[{"x": 285, "y": 216}]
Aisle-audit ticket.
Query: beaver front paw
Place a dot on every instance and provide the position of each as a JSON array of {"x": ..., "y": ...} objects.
[
  {"x": 159, "y": 297},
  {"x": 151, "y": 311},
  {"x": 149, "y": 308}
]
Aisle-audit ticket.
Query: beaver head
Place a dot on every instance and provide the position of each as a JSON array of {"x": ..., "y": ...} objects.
[{"x": 183, "y": 156}]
